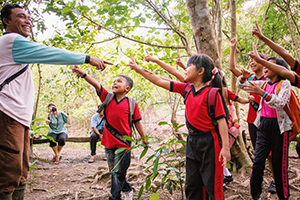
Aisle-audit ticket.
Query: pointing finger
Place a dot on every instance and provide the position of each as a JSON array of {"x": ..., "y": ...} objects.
[{"x": 147, "y": 52}]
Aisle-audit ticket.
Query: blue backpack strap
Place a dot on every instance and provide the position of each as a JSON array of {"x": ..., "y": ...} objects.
[{"x": 211, "y": 104}]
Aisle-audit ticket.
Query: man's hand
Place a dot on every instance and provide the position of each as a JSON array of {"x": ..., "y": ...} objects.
[
  {"x": 98, "y": 63},
  {"x": 233, "y": 42}
]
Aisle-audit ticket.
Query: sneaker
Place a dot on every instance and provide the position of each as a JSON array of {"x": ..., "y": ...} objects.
[
  {"x": 128, "y": 195},
  {"x": 272, "y": 187},
  {"x": 227, "y": 179}
]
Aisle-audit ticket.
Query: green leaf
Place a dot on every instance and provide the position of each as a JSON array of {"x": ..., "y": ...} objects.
[
  {"x": 128, "y": 138},
  {"x": 168, "y": 188},
  {"x": 181, "y": 141},
  {"x": 155, "y": 167},
  {"x": 172, "y": 169},
  {"x": 164, "y": 172},
  {"x": 143, "y": 153},
  {"x": 39, "y": 119},
  {"x": 162, "y": 123},
  {"x": 142, "y": 19},
  {"x": 148, "y": 184},
  {"x": 165, "y": 151},
  {"x": 178, "y": 127},
  {"x": 154, "y": 196},
  {"x": 141, "y": 191},
  {"x": 150, "y": 157},
  {"x": 120, "y": 150},
  {"x": 186, "y": 19}
]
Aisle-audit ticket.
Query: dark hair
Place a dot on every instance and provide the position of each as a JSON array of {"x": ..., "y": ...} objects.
[
  {"x": 281, "y": 62},
  {"x": 263, "y": 56},
  {"x": 6, "y": 12},
  {"x": 51, "y": 104},
  {"x": 128, "y": 80},
  {"x": 204, "y": 61}
]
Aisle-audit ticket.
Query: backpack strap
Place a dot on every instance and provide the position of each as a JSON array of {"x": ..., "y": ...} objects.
[
  {"x": 131, "y": 110},
  {"x": 106, "y": 101},
  {"x": 12, "y": 77},
  {"x": 187, "y": 91},
  {"x": 211, "y": 103}
]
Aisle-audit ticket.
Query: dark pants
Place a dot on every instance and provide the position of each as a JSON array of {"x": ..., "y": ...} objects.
[
  {"x": 93, "y": 142},
  {"x": 204, "y": 171},
  {"x": 118, "y": 165},
  {"x": 14, "y": 154},
  {"x": 60, "y": 138},
  {"x": 253, "y": 134},
  {"x": 269, "y": 139}
]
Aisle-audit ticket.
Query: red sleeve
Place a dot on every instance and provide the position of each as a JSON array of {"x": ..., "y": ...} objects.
[
  {"x": 296, "y": 68},
  {"x": 102, "y": 93},
  {"x": 178, "y": 87},
  {"x": 296, "y": 83},
  {"x": 219, "y": 108},
  {"x": 136, "y": 115},
  {"x": 232, "y": 96}
]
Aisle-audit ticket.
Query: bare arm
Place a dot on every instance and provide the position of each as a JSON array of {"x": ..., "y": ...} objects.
[
  {"x": 225, "y": 151},
  {"x": 139, "y": 128},
  {"x": 245, "y": 101},
  {"x": 89, "y": 79},
  {"x": 280, "y": 70},
  {"x": 274, "y": 46},
  {"x": 165, "y": 66},
  {"x": 153, "y": 78},
  {"x": 232, "y": 58}
]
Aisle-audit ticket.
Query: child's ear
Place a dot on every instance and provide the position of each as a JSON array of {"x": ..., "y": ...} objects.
[
  {"x": 201, "y": 71},
  {"x": 127, "y": 89}
]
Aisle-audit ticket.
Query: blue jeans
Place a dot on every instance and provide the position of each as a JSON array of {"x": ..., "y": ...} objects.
[{"x": 118, "y": 175}]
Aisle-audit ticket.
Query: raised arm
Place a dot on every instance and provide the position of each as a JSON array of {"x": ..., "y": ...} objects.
[
  {"x": 165, "y": 66},
  {"x": 274, "y": 46},
  {"x": 280, "y": 70},
  {"x": 89, "y": 79},
  {"x": 232, "y": 58},
  {"x": 153, "y": 78}
]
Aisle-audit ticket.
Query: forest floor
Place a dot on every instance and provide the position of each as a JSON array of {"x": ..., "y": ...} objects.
[{"x": 75, "y": 178}]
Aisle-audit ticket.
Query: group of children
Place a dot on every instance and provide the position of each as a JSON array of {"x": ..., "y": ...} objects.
[{"x": 206, "y": 156}]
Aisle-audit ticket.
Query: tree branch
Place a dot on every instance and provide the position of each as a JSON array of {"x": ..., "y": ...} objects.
[
  {"x": 128, "y": 38},
  {"x": 265, "y": 16}
]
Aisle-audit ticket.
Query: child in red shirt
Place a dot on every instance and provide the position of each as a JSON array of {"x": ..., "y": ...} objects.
[
  {"x": 204, "y": 155},
  {"x": 117, "y": 121}
]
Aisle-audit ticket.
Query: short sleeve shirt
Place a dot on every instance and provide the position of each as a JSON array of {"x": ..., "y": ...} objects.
[
  {"x": 117, "y": 115},
  {"x": 232, "y": 96},
  {"x": 57, "y": 124},
  {"x": 196, "y": 106},
  {"x": 95, "y": 122}
]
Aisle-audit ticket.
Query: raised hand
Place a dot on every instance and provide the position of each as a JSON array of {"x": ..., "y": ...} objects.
[
  {"x": 98, "y": 63},
  {"x": 254, "y": 54},
  {"x": 233, "y": 42},
  {"x": 257, "y": 32},
  {"x": 77, "y": 70},
  {"x": 132, "y": 64},
  {"x": 67, "y": 109},
  {"x": 179, "y": 62},
  {"x": 149, "y": 58},
  {"x": 246, "y": 73}
]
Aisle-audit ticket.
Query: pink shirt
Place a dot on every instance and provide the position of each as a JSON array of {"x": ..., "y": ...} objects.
[{"x": 266, "y": 110}]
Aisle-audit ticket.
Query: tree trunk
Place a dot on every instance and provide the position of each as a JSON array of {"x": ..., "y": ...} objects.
[
  {"x": 239, "y": 151},
  {"x": 202, "y": 28}
]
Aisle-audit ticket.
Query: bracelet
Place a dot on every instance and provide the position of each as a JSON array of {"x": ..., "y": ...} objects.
[
  {"x": 68, "y": 113},
  {"x": 243, "y": 79},
  {"x": 265, "y": 94},
  {"x": 83, "y": 76}
]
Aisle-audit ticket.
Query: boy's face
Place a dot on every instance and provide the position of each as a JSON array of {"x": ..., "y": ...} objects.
[{"x": 120, "y": 86}]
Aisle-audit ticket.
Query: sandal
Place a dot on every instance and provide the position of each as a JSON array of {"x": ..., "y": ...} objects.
[
  {"x": 56, "y": 162},
  {"x": 92, "y": 159},
  {"x": 54, "y": 158}
]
